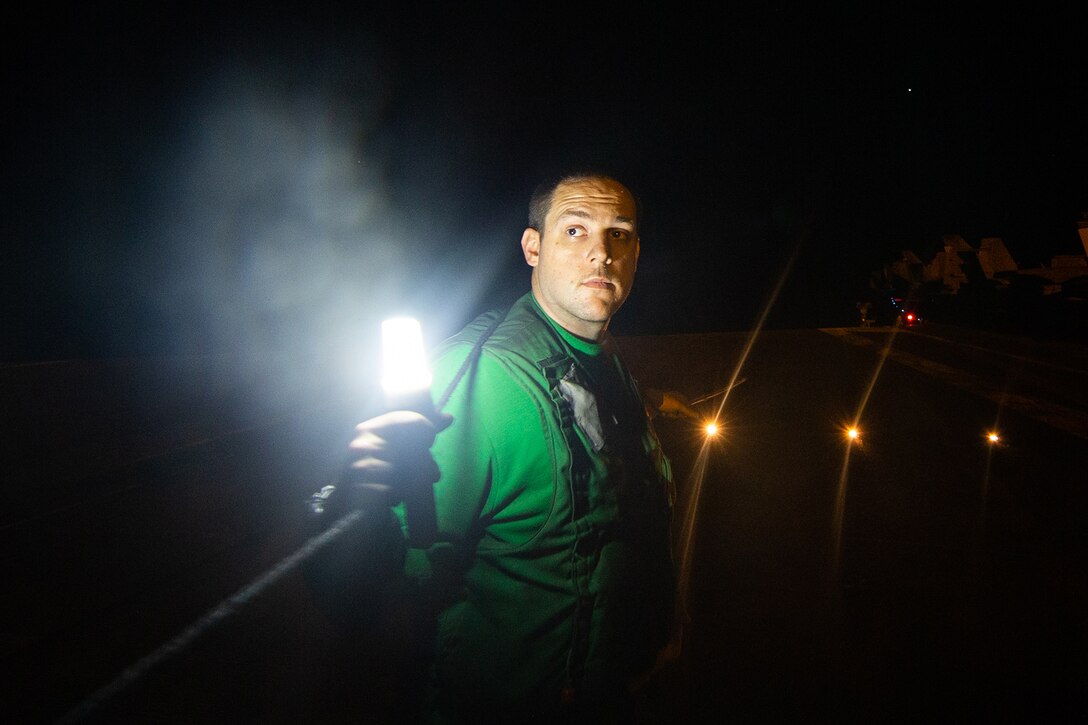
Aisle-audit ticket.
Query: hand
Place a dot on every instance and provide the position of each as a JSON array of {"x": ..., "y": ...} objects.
[
  {"x": 390, "y": 454},
  {"x": 667, "y": 655}
]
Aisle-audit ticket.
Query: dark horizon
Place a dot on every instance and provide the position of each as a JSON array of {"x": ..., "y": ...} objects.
[{"x": 186, "y": 182}]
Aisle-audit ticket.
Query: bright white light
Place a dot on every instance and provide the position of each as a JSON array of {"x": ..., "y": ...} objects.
[
  {"x": 404, "y": 363},
  {"x": 711, "y": 429},
  {"x": 853, "y": 433},
  {"x": 993, "y": 437}
]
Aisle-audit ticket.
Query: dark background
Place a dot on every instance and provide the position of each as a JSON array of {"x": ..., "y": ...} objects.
[
  {"x": 194, "y": 179},
  {"x": 206, "y": 212}
]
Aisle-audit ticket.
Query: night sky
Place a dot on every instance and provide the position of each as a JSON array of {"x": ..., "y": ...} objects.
[{"x": 192, "y": 179}]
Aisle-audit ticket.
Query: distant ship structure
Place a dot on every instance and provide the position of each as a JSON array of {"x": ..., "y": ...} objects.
[{"x": 984, "y": 286}]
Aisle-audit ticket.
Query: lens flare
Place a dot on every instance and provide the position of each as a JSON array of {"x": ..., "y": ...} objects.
[
  {"x": 993, "y": 437},
  {"x": 691, "y": 505},
  {"x": 853, "y": 433}
]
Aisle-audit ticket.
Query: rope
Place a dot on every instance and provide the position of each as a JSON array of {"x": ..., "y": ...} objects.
[
  {"x": 215, "y": 616},
  {"x": 233, "y": 604},
  {"x": 469, "y": 360}
]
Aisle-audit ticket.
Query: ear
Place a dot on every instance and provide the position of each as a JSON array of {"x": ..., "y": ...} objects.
[{"x": 530, "y": 246}]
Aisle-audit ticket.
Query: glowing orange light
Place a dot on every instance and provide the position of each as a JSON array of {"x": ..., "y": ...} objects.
[
  {"x": 711, "y": 429},
  {"x": 853, "y": 433},
  {"x": 993, "y": 437}
]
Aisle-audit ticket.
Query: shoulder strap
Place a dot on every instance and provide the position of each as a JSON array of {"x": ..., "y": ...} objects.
[{"x": 469, "y": 360}]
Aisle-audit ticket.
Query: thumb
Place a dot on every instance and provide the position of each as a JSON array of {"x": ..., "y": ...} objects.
[{"x": 442, "y": 421}]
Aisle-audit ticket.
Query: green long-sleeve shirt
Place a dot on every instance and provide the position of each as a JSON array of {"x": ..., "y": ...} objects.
[{"x": 553, "y": 508}]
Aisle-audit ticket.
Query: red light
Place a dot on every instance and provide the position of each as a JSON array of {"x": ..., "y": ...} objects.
[{"x": 910, "y": 317}]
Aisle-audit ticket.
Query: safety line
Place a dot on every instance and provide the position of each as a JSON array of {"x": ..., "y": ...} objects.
[{"x": 215, "y": 616}]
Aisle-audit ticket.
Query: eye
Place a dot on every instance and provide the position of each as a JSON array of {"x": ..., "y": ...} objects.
[
  {"x": 619, "y": 234},
  {"x": 574, "y": 232}
]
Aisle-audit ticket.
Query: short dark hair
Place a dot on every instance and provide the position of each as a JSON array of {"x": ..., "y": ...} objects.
[{"x": 541, "y": 200}]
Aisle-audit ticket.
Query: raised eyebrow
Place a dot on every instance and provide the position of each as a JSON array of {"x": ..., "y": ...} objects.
[{"x": 582, "y": 214}]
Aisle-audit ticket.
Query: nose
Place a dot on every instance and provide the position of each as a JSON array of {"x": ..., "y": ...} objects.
[{"x": 601, "y": 250}]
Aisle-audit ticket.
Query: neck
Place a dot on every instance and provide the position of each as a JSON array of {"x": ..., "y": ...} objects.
[{"x": 594, "y": 332}]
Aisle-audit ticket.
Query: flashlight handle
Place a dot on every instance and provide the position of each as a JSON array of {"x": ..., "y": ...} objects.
[{"x": 419, "y": 505}]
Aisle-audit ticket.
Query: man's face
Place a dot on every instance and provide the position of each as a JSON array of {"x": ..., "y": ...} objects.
[{"x": 584, "y": 262}]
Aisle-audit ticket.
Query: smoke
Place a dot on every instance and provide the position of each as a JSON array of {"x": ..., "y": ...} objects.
[{"x": 292, "y": 212}]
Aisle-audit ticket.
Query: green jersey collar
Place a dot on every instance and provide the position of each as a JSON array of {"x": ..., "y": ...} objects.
[{"x": 582, "y": 345}]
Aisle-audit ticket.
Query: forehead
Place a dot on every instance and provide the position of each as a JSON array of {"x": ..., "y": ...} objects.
[{"x": 594, "y": 196}]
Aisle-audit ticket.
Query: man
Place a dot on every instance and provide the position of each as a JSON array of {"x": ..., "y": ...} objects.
[{"x": 552, "y": 568}]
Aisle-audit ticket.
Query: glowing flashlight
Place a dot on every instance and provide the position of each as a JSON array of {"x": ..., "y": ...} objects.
[{"x": 406, "y": 381}]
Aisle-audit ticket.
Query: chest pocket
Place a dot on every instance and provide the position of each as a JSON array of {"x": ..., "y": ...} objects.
[{"x": 586, "y": 412}]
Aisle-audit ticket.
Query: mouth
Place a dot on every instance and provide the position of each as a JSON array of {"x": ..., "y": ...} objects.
[{"x": 598, "y": 283}]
